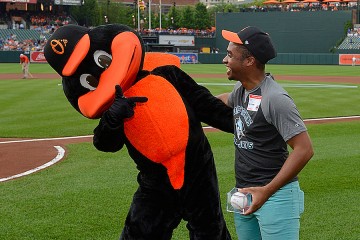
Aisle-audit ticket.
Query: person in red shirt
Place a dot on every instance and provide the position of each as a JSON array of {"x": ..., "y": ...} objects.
[{"x": 24, "y": 61}]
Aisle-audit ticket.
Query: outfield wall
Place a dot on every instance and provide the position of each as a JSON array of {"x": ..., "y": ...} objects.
[
  {"x": 10, "y": 56},
  {"x": 14, "y": 56},
  {"x": 299, "y": 37},
  {"x": 212, "y": 58},
  {"x": 291, "y": 32}
]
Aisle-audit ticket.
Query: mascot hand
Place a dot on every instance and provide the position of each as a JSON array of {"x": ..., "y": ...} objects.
[{"x": 122, "y": 107}]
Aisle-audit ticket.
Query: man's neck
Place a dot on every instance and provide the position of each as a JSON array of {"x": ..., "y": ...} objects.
[{"x": 253, "y": 80}]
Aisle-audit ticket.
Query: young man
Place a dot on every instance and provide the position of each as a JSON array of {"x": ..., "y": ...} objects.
[{"x": 266, "y": 120}]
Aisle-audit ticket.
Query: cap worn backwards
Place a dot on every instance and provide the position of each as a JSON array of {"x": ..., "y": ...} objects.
[{"x": 255, "y": 40}]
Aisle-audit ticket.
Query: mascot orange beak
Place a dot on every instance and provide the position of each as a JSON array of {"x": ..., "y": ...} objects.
[{"x": 126, "y": 53}]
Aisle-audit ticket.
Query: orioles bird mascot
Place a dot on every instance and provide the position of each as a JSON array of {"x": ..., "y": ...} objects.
[{"x": 148, "y": 103}]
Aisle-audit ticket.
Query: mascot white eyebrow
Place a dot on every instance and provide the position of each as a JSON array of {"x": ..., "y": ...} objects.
[{"x": 147, "y": 103}]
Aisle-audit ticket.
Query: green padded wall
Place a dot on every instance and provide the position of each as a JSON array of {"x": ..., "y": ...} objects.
[
  {"x": 291, "y": 32},
  {"x": 10, "y": 56}
]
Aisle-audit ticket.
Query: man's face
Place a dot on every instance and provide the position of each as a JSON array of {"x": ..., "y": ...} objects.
[{"x": 236, "y": 61}]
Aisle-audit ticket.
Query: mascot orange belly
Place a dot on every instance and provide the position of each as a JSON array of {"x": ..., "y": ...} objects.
[{"x": 159, "y": 134}]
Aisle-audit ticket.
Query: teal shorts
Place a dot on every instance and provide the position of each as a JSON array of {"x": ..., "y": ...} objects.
[{"x": 277, "y": 219}]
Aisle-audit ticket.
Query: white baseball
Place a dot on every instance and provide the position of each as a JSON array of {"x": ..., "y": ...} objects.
[{"x": 238, "y": 200}]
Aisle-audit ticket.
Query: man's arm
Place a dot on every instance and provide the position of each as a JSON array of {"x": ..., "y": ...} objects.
[{"x": 298, "y": 158}]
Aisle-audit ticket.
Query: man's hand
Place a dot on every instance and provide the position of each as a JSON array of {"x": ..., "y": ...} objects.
[
  {"x": 259, "y": 196},
  {"x": 122, "y": 107}
]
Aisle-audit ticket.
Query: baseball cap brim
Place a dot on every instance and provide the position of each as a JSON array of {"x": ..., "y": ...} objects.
[
  {"x": 231, "y": 36},
  {"x": 79, "y": 53}
]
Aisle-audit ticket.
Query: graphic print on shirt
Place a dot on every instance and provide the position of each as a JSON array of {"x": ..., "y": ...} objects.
[
  {"x": 242, "y": 121},
  {"x": 239, "y": 128}
]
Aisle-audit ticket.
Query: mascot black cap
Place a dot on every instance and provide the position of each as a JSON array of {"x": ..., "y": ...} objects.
[{"x": 63, "y": 51}]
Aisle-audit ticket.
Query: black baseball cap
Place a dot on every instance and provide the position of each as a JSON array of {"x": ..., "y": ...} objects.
[{"x": 255, "y": 40}]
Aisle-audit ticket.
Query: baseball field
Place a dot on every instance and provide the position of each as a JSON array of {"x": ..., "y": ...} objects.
[{"x": 85, "y": 194}]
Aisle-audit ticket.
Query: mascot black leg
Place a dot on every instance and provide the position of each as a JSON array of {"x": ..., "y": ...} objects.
[
  {"x": 154, "y": 212},
  {"x": 205, "y": 218}
]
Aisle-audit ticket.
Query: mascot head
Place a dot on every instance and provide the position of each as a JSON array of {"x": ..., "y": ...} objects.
[{"x": 93, "y": 61}]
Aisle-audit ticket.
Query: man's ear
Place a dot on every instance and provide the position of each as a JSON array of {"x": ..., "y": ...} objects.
[{"x": 251, "y": 60}]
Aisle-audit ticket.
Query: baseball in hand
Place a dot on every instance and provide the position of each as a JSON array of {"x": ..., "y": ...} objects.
[{"x": 238, "y": 200}]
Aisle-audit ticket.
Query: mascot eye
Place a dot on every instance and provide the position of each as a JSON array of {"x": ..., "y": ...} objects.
[
  {"x": 102, "y": 59},
  {"x": 88, "y": 81}
]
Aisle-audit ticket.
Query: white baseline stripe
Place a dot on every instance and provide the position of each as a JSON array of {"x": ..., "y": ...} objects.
[
  {"x": 330, "y": 118},
  {"x": 308, "y": 85},
  {"x": 90, "y": 136},
  {"x": 45, "y": 139},
  {"x": 313, "y": 119},
  {"x": 295, "y": 85},
  {"x": 59, "y": 156}
]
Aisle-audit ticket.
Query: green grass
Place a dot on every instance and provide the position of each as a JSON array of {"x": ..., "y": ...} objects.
[
  {"x": 34, "y": 68},
  {"x": 301, "y": 70},
  {"x": 331, "y": 183},
  {"x": 38, "y": 108},
  {"x": 87, "y": 195}
]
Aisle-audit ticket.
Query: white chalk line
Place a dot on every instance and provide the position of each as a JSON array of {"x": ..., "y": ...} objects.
[
  {"x": 61, "y": 151},
  {"x": 314, "y": 119},
  {"x": 207, "y": 127},
  {"x": 330, "y": 118},
  {"x": 293, "y": 85},
  {"x": 45, "y": 139},
  {"x": 59, "y": 156},
  {"x": 308, "y": 85}
]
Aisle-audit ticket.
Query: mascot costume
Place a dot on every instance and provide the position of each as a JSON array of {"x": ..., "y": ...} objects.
[{"x": 148, "y": 103}]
